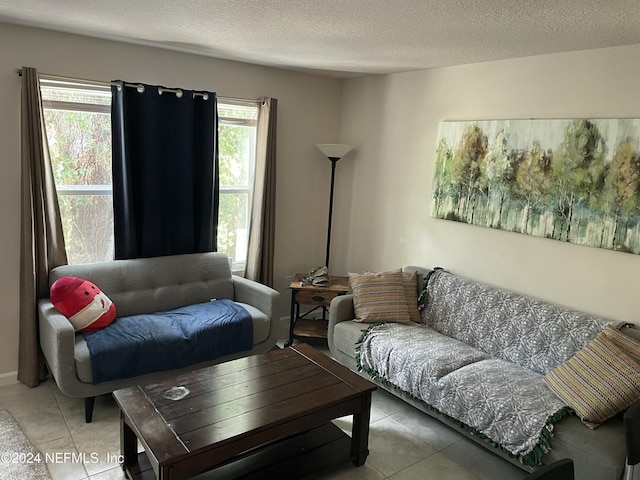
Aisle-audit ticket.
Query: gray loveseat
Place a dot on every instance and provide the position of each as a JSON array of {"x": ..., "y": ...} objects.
[
  {"x": 149, "y": 285},
  {"x": 488, "y": 346}
]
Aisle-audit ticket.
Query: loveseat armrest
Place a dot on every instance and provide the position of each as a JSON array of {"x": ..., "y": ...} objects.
[
  {"x": 255, "y": 294},
  {"x": 57, "y": 340}
]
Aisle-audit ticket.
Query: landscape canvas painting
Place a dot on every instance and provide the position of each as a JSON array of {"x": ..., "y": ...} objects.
[{"x": 574, "y": 180}]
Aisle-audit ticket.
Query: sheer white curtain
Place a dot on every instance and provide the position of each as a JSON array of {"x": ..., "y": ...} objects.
[{"x": 263, "y": 210}]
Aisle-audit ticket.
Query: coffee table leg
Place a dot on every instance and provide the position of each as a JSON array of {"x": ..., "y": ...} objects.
[
  {"x": 360, "y": 432},
  {"x": 128, "y": 444}
]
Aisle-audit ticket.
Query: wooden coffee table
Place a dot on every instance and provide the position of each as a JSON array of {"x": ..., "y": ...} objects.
[{"x": 245, "y": 417}]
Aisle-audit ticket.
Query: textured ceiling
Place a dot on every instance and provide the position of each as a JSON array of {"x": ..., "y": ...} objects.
[{"x": 345, "y": 37}]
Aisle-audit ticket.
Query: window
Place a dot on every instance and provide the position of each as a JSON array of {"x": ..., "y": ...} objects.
[
  {"x": 237, "y": 151},
  {"x": 78, "y": 123}
]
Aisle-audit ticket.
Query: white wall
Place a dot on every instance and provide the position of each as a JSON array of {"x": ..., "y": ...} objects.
[
  {"x": 383, "y": 214},
  {"x": 308, "y": 113},
  {"x": 383, "y": 188}
]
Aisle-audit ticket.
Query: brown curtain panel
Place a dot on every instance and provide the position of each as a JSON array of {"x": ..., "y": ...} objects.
[
  {"x": 41, "y": 240},
  {"x": 263, "y": 210}
]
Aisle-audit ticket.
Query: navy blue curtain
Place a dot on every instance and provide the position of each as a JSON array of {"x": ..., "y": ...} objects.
[{"x": 165, "y": 171}]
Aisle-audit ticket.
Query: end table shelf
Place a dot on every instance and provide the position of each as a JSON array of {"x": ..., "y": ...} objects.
[{"x": 318, "y": 297}]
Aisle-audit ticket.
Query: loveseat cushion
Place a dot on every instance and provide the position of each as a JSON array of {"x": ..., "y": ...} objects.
[
  {"x": 261, "y": 330},
  {"x": 146, "y": 285},
  {"x": 170, "y": 339}
]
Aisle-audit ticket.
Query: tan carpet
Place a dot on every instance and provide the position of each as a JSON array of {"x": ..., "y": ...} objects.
[{"x": 19, "y": 459}]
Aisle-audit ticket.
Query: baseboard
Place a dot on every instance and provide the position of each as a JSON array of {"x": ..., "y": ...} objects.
[{"x": 9, "y": 378}]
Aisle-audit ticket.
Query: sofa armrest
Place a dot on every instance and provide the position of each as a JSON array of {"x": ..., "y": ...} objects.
[
  {"x": 57, "y": 340},
  {"x": 340, "y": 310},
  {"x": 632, "y": 433},
  {"x": 255, "y": 294}
]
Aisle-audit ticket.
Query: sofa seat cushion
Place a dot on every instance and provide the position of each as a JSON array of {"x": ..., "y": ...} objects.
[
  {"x": 416, "y": 357},
  {"x": 509, "y": 404}
]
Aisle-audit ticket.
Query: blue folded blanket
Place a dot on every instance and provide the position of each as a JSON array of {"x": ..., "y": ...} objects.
[{"x": 140, "y": 344}]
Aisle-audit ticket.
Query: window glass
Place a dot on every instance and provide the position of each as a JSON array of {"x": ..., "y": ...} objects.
[
  {"x": 78, "y": 127},
  {"x": 236, "y": 146},
  {"x": 233, "y": 227},
  {"x": 236, "y": 156}
]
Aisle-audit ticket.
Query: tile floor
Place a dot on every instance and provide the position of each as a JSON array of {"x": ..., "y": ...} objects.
[{"x": 404, "y": 443}]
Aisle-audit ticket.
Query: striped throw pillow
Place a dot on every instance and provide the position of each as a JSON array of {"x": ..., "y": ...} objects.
[
  {"x": 379, "y": 297},
  {"x": 627, "y": 344},
  {"x": 600, "y": 380}
]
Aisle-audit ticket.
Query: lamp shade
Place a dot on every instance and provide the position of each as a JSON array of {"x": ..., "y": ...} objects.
[{"x": 334, "y": 150}]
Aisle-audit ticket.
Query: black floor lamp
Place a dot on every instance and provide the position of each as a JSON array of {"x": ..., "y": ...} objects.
[{"x": 333, "y": 152}]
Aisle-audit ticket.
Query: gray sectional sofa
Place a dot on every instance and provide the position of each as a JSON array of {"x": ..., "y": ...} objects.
[
  {"x": 477, "y": 362},
  {"x": 149, "y": 285}
]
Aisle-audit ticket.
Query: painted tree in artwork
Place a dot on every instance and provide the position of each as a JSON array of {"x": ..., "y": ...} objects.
[
  {"x": 442, "y": 175},
  {"x": 558, "y": 179},
  {"x": 577, "y": 166},
  {"x": 621, "y": 189},
  {"x": 497, "y": 173},
  {"x": 465, "y": 169},
  {"x": 532, "y": 181}
]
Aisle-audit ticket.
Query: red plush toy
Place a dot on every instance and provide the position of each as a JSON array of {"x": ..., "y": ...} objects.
[{"x": 84, "y": 304}]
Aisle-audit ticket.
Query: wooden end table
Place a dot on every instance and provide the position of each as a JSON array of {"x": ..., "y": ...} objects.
[
  {"x": 251, "y": 418},
  {"x": 318, "y": 297}
]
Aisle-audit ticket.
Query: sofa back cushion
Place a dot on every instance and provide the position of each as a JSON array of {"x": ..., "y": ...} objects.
[
  {"x": 147, "y": 285},
  {"x": 524, "y": 330}
]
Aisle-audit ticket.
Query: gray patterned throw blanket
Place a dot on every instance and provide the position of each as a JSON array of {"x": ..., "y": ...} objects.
[{"x": 480, "y": 359}]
